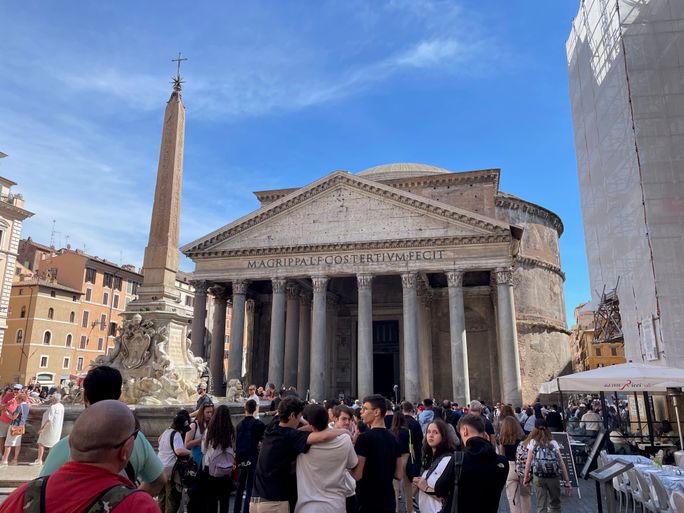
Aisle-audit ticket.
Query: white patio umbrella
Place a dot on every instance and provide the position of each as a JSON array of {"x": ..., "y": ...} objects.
[{"x": 625, "y": 377}]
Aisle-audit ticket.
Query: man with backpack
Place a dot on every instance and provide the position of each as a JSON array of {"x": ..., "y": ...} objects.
[
  {"x": 474, "y": 479},
  {"x": 250, "y": 432},
  {"x": 101, "y": 442}
]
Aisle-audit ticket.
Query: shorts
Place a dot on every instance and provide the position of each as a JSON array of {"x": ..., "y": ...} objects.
[
  {"x": 4, "y": 426},
  {"x": 12, "y": 441}
]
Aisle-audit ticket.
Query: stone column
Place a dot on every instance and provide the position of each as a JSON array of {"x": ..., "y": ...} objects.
[
  {"x": 411, "y": 372},
  {"x": 218, "y": 341},
  {"x": 364, "y": 350},
  {"x": 304, "y": 350},
  {"x": 425, "y": 344},
  {"x": 248, "y": 345},
  {"x": 318, "y": 338},
  {"x": 277, "y": 345},
  {"x": 459, "y": 348},
  {"x": 509, "y": 356},
  {"x": 291, "y": 334},
  {"x": 237, "y": 329},
  {"x": 199, "y": 318}
]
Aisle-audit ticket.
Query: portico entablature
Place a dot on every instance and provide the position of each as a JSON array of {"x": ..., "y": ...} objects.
[{"x": 375, "y": 259}]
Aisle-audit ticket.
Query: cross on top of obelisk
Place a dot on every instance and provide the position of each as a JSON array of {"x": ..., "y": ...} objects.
[{"x": 177, "y": 81}]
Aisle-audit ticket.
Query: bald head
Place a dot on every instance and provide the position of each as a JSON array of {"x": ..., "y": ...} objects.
[{"x": 97, "y": 432}]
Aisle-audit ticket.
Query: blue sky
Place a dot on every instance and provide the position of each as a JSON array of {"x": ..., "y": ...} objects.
[{"x": 278, "y": 94}]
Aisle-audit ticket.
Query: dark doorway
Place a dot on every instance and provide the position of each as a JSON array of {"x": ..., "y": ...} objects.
[{"x": 385, "y": 357}]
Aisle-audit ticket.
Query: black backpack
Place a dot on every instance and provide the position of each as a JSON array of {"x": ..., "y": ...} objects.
[
  {"x": 245, "y": 453},
  {"x": 105, "y": 502}
]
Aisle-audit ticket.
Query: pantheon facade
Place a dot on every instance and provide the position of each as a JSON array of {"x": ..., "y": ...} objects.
[{"x": 403, "y": 277}]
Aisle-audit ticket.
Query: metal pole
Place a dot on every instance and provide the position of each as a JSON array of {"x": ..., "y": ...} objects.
[
  {"x": 649, "y": 419},
  {"x": 598, "y": 496},
  {"x": 602, "y": 395},
  {"x": 636, "y": 401}
]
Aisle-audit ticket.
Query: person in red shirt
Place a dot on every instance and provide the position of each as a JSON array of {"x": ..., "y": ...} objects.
[
  {"x": 101, "y": 443},
  {"x": 7, "y": 408}
]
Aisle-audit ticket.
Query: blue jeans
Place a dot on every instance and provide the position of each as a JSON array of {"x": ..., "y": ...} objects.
[{"x": 244, "y": 486}]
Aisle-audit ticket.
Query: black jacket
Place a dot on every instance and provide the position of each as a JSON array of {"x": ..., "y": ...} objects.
[{"x": 482, "y": 478}]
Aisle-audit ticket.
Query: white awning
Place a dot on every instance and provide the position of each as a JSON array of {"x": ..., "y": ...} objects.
[{"x": 625, "y": 377}]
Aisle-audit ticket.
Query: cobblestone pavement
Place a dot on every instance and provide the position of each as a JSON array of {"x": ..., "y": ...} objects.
[{"x": 573, "y": 504}]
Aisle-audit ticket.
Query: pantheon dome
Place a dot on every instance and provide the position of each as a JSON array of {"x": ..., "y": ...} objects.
[{"x": 401, "y": 170}]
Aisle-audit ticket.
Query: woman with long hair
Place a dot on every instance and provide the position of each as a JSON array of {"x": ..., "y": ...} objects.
[
  {"x": 437, "y": 453},
  {"x": 510, "y": 435},
  {"x": 545, "y": 463},
  {"x": 440, "y": 413},
  {"x": 400, "y": 430},
  {"x": 193, "y": 438},
  {"x": 219, "y": 461}
]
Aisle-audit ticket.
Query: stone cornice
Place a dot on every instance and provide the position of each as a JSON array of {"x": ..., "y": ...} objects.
[
  {"x": 465, "y": 177},
  {"x": 358, "y": 246},
  {"x": 14, "y": 212},
  {"x": 335, "y": 179},
  {"x": 541, "y": 264},
  {"x": 538, "y": 325},
  {"x": 503, "y": 200}
]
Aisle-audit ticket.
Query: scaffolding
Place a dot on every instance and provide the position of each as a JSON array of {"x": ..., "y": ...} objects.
[{"x": 607, "y": 320}]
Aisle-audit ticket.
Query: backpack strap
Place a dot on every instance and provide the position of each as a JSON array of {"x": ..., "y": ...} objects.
[
  {"x": 458, "y": 468},
  {"x": 130, "y": 472},
  {"x": 173, "y": 434},
  {"x": 34, "y": 495},
  {"x": 110, "y": 499}
]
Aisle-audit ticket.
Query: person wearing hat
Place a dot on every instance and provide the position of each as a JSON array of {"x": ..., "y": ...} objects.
[
  {"x": 203, "y": 398},
  {"x": 7, "y": 409}
]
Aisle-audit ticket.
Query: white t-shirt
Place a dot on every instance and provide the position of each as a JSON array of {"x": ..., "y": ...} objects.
[
  {"x": 53, "y": 432},
  {"x": 428, "y": 503},
  {"x": 321, "y": 476},
  {"x": 533, "y": 443},
  {"x": 166, "y": 453}
]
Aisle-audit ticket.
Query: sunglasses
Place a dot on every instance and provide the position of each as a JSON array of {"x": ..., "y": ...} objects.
[{"x": 134, "y": 435}]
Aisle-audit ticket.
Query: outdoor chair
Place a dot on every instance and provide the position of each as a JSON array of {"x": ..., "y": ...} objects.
[
  {"x": 677, "y": 502},
  {"x": 661, "y": 495},
  {"x": 634, "y": 491},
  {"x": 647, "y": 501},
  {"x": 621, "y": 486}
]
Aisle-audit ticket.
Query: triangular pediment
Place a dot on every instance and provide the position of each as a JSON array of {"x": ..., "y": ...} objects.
[{"x": 342, "y": 208}]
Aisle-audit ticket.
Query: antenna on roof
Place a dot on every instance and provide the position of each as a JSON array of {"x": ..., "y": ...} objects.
[{"x": 52, "y": 234}]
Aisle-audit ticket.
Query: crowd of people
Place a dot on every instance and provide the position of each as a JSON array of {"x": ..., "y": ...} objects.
[{"x": 369, "y": 455}]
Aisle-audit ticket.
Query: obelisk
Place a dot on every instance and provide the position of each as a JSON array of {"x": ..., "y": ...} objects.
[{"x": 158, "y": 299}]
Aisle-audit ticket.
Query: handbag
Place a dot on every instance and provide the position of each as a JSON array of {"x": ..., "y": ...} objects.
[{"x": 184, "y": 471}]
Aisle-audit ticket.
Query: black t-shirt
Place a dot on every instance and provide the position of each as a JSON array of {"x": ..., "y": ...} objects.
[
  {"x": 204, "y": 398},
  {"x": 403, "y": 438},
  {"x": 416, "y": 435},
  {"x": 374, "y": 491},
  {"x": 275, "y": 479},
  {"x": 509, "y": 450},
  {"x": 256, "y": 428},
  {"x": 554, "y": 421},
  {"x": 489, "y": 427}
]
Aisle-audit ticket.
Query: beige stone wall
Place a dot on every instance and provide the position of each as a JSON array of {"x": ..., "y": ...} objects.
[{"x": 21, "y": 362}]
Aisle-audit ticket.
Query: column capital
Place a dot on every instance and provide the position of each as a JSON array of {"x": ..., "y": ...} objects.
[
  {"x": 292, "y": 290},
  {"x": 219, "y": 292},
  {"x": 240, "y": 286},
  {"x": 364, "y": 281},
  {"x": 503, "y": 276},
  {"x": 455, "y": 278},
  {"x": 200, "y": 287},
  {"x": 278, "y": 285},
  {"x": 408, "y": 280},
  {"x": 320, "y": 283},
  {"x": 305, "y": 298}
]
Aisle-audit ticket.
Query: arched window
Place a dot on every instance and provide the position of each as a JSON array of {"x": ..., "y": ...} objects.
[
  {"x": 23, "y": 312},
  {"x": 51, "y": 313},
  {"x": 69, "y": 339},
  {"x": 72, "y": 316},
  {"x": 47, "y": 336},
  {"x": 20, "y": 336}
]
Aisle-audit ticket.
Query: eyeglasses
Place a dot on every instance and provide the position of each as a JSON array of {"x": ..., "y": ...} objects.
[{"x": 133, "y": 435}]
